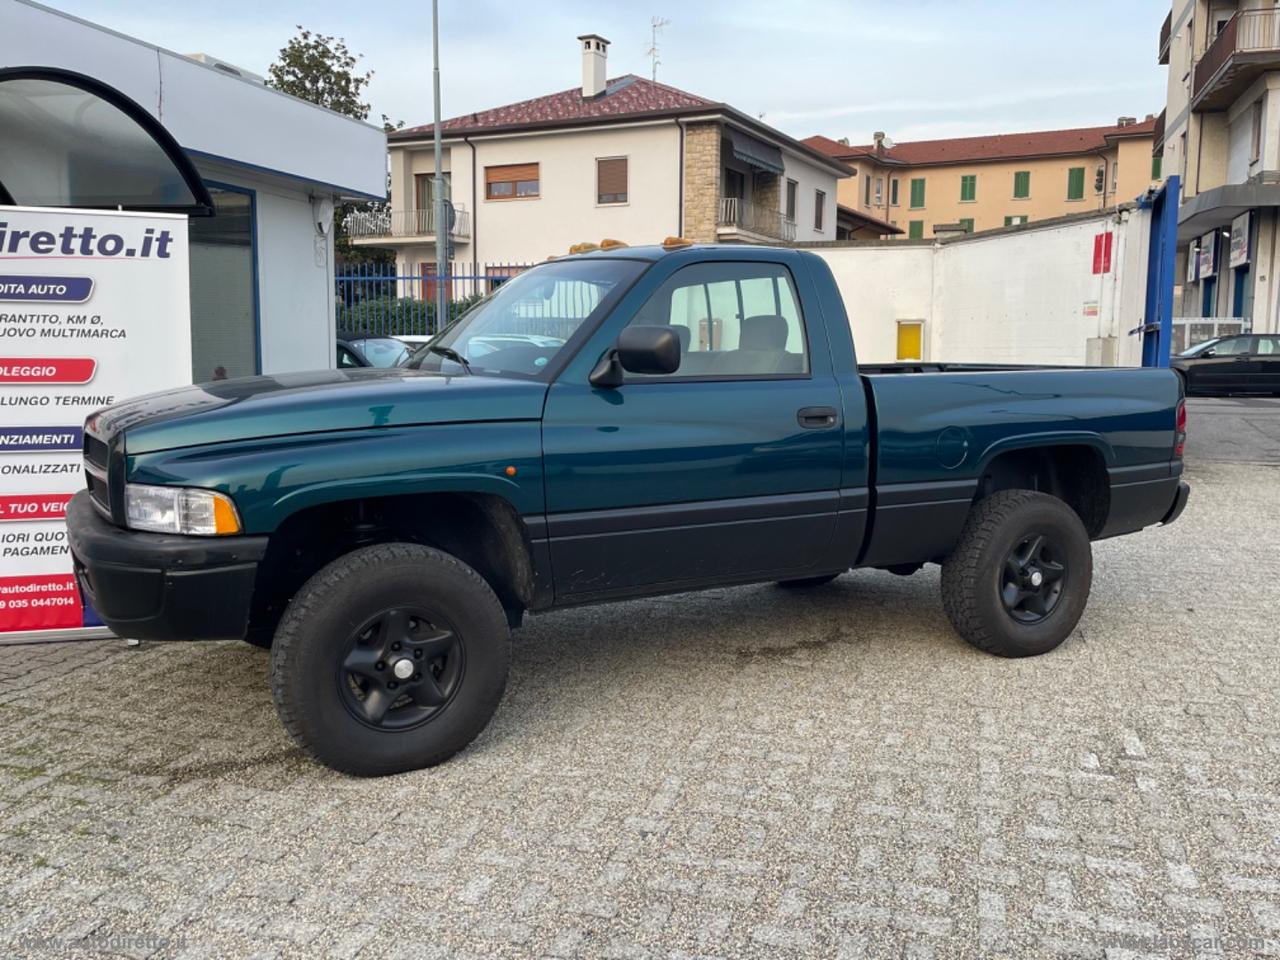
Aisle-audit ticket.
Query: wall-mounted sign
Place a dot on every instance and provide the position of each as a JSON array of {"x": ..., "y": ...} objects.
[
  {"x": 1240, "y": 240},
  {"x": 1102, "y": 252},
  {"x": 94, "y": 308},
  {"x": 1193, "y": 261},
  {"x": 1208, "y": 255}
]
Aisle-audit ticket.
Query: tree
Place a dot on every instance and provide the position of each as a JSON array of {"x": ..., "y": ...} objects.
[
  {"x": 317, "y": 68},
  {"x": 320, "y": 69}
]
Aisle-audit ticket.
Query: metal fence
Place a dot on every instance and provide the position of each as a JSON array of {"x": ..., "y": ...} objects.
[
  {"x": 1188, "y": 331},
  {"x": 378, "y": 298}
]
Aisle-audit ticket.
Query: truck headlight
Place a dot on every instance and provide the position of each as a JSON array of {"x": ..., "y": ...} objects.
[{"x": 201, "y": 513}]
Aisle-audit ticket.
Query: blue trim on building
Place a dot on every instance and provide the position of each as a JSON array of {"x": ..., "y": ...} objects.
[
  {"x": 253, "y": 242},
  {"x": 344, "y": 191}
]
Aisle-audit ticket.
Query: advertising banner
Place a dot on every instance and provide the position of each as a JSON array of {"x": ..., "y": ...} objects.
[
  {"x": 1240, "y": 240},
  {"x": 94, "y": 308},
  {"x": 1208, "y": 255}
]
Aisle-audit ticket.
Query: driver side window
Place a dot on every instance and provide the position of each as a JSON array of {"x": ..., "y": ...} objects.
[
  {"x": 1232, "y": 346},
  {"x": 732, "y": 319}
]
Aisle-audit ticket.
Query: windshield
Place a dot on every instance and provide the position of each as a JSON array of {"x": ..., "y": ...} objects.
[
  {"x": 521, "y": 327},
  {"x": 1204, "y": 344},
  {"x": 382, "y": 351}
]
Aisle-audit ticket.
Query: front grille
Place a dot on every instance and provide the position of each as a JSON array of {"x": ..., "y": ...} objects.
[{"x": 95, "y": 472}]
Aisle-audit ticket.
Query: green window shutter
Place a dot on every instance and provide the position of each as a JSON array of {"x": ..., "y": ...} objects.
[
  {"x": 866, "y": 194},
  {"x": 893, "y": 191},
  {"x": 1022, "y": 184},
  {"x": 967, "y": 223},
  {"x": 968, "y": 188},
  {"x": 917, "y": 193},
  {"x": 1008, "y": 221},
  {"x": 1156, "y": 164},
  {"x": 1075, "y": 183},
  {"x": 915, "y": 229}
]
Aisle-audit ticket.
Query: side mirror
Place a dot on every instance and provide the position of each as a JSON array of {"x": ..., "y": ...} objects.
[
  {"x": 652, "y": 350},
  {"x": 1210, "y": 353}
]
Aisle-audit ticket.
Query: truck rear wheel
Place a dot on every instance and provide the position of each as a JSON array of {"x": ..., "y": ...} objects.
[
  {"x": 391, "y": 658},
  {"x": 1018, "y": 580}
]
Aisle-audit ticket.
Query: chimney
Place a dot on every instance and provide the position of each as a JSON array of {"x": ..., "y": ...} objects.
[
  {"x": 878, "y": 139},
  {"x": 843, "y": 141},
  {"x": 1126, "y": 121},
  {"x": 595, "y": 53}
]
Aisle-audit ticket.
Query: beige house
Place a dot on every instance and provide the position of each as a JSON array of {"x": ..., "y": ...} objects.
[
  {"x": 626, "y": 159},
  {"x": 1220, "y": 133},
  {"x": 984, "y": 183}
]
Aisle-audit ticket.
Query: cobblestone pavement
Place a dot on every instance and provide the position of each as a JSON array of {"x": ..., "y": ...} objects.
[{"x": 746, "y": 772}]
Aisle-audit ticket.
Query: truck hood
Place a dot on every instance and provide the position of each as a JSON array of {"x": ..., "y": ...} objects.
[{"x": 313, "y": 402}]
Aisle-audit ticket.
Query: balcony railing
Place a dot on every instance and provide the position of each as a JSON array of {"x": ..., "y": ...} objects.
[
  {"x": 1166, "y": 33},
  {"x": 380, "y": 224},
  {"x": 754, "y": 218},
  {"x": 1246, "y": 45}
]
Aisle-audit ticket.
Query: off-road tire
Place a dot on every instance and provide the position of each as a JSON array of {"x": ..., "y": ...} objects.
[
  {"x": 972, "y": 574},
  {"x": 804, "y": 583},
  {"x": 326, "y": 613}
]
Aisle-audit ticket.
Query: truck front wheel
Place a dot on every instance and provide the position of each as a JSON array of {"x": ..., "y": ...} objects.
[
  {"x": 1018, "y": 580},
  {"x": 391, "y": 658}
]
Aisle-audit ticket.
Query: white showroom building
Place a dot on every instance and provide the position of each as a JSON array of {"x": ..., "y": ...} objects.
[{"x": 273, "y": 167}]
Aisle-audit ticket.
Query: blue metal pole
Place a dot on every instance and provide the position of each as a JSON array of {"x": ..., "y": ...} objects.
[{"x": 1157, "y": 332}]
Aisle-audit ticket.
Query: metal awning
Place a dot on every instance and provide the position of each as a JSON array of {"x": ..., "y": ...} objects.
[
  {"x": 71, "y": 141},
  {"x": 1219, "y": 206},
  {"x": 755, "y": 153}
]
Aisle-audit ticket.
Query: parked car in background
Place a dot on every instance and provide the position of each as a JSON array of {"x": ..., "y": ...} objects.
[
  {"x": 370, "y": 350},
  {"x": 1246, "y": 363}
]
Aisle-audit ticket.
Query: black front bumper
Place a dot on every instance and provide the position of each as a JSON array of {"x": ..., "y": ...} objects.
[{"x": 151, "y": 586}]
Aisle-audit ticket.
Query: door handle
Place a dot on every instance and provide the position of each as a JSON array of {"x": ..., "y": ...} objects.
[
  {"x": 1242, "y": 359},
  {"x": 817, "y": 418}
]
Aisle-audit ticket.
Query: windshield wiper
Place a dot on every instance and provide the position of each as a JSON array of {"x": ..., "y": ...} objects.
[{"x": 450, "y": 354}]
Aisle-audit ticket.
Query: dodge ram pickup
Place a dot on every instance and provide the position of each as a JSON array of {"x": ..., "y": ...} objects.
[{"x": 613, "y": 424}]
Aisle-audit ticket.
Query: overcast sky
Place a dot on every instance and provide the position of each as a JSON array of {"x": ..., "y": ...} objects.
[{"x": 914, "y": 68}]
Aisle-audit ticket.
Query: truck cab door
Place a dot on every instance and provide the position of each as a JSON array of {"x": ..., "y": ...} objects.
[{"x": 727, "y": 470}]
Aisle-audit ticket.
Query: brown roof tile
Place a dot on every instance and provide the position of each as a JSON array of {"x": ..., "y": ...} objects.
[
  {"x": 1005, "y": 146},
  {"x": 622, "y": 97}
]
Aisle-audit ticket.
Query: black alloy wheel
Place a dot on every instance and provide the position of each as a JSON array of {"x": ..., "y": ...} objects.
[
  {"x": 401, "y": 668},
  {"x": 1033, "y": 578}
]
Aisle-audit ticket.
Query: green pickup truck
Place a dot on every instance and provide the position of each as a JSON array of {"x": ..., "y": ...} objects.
[{"x": 617, "y": 424}]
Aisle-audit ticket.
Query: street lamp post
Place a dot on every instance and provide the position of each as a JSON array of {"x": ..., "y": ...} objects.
[{"x": 441, "y": 227}]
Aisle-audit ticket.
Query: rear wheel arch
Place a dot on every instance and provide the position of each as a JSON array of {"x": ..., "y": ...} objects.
[
  {"x": 484, "y": 531},
  {"x": 1074, "y": 472}
]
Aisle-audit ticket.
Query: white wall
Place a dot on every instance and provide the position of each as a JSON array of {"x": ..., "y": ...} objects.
[
  {"x": 296, "y": 303},
  {"x": 1011, "y": 296},
  {"x": 566, "y": 212},
  {"x": 810, "y": 178},
  {"x": 882, "y": 284}
]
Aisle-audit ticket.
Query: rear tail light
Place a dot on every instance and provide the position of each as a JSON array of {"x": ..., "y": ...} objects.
[{"x": 1180, "y": 428}]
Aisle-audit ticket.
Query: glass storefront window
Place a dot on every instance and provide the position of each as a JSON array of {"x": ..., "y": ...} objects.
[{"x": 224, "y": 335}]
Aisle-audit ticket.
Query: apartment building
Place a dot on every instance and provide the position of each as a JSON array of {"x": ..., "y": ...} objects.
[
  {"x": 983, "y": 183},
  {"x": 1221, "y": 133},
  {"x": 627, "y": 159}
]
